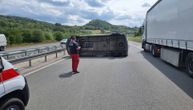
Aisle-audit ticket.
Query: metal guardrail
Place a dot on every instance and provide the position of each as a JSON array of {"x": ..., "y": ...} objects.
[{"x": 33, "y": 53}]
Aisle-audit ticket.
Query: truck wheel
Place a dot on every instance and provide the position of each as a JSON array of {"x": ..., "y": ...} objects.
[
  {"x": 145, "y": 50},
  {"x": 189, "y": 64},
  {"x": 13, "y": 104},
  {"x": 154, "y": 51},
  {"x": 144, "y": 47}
]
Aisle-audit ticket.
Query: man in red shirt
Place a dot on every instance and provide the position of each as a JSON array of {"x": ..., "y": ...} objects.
[{"x": 74, "y": 53}]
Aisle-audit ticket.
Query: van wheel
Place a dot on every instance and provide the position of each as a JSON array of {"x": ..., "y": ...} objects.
[
  {"x": 189, "y": 64},
  {"x": 13, "y": 104}
]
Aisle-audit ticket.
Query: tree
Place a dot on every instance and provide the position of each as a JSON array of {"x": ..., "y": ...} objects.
[
  {"x": 48, "y": 36},
  {"x": 18, "y": 39},
  {"x": 11, "y": 40},
  {"x": 58, "y": 24},
  {"x": 58, "y": 36},
  {"x": 38, "y": 36},
  {"x": 3, "y": 23},
  {"x": 27, "y": 36}
]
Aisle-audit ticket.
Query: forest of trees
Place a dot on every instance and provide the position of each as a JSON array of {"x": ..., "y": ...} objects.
[
  {"x": 24, "y": 30},
  {"x": 103, "y": 25}
]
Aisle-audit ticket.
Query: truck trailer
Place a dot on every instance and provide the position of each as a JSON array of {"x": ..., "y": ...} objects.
[{"x": 168, "y": 32}]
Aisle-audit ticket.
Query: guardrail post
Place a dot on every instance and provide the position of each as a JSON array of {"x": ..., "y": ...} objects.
[
  {"x": 7, "y": 57},
  {"x": 55, "y": 47},
  {"x": 30, "y": 64},
  {"x": 45, "y": 58},
  {"x": 56, "y": 54},
  {"x": 48, "y": 49},
  {"x": 38, "y": 51},
  {"x": 25, "y": 53}
]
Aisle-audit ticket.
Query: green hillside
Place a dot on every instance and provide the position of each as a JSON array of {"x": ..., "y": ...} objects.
[
  {"x": 98, "y": 24},
  {"x": 24, "y": 30},
  {"x": 105, "y": 26}
]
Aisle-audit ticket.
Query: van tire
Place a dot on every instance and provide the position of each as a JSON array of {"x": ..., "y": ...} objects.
[{"x": 12, "y": 103}]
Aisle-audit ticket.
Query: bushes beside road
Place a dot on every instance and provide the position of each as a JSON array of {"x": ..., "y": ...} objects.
[{"x": 135, "y": 39}]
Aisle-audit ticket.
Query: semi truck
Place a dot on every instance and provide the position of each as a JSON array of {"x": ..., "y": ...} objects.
[
  {"x": 168, "y": 32},
  {"x": 106, "y": 45}
]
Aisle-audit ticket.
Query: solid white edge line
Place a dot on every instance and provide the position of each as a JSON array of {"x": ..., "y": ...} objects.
[{"x": 28, "y": 74}]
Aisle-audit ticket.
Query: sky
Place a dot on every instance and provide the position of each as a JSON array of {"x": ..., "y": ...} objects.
[{"x": 79, "y": 12}]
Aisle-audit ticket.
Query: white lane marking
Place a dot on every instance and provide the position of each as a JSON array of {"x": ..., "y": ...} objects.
[{"x": 42, "y": 68}]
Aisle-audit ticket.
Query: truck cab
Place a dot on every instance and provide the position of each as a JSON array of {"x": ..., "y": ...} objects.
[{"x": 14, "y": 91}]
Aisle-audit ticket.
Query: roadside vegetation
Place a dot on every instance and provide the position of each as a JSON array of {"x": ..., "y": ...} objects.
[
  {"x": 19, "y": 30},
  {"x": 137, "y": 37}
]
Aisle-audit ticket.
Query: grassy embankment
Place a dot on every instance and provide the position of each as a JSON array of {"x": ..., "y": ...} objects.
[
  {"x": 29, "y": 44},
  {"x": 135, "y": 39}
]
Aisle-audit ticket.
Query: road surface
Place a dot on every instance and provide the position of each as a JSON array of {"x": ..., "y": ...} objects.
[{"x": 137, "y": 82}]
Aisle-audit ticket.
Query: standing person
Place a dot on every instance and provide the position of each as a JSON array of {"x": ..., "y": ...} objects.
[{"x": 74, "y": 53}]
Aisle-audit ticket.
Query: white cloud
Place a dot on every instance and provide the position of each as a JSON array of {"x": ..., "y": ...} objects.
[
  {"x": 79, "y": 12},
  {"x": 60, "y": 1},
  {"x": 50, "y": 10}
]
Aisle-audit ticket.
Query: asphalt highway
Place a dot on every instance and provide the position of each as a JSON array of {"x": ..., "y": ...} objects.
[{"x": 137, "y": 82}]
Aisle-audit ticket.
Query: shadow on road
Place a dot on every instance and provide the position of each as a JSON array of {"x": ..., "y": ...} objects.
[
  {"x": 110, "y": 58},
  {"x": 95, "y": 57},
  {"x": 66, "y": 75},
  {"x": 179, "y": 77}
]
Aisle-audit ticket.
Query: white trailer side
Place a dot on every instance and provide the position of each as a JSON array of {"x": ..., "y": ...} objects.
[
  {"x": 170, "y": 23},
  {"x": 168, "y": 32}
]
